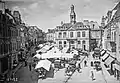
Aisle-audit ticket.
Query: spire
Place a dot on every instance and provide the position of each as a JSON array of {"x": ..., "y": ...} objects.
[{"x": 72, "y": 15}]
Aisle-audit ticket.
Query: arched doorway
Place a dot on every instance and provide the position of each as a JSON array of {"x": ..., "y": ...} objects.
[{"x": 84, "y": 46}]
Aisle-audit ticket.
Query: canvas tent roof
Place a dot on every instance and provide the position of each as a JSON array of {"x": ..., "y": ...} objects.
[{"x": 44, "y": 63}]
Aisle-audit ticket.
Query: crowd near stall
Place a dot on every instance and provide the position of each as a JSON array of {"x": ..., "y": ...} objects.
[{"x": 50, "y": 59}]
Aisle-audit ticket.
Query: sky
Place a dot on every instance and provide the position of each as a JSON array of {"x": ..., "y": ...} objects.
[{"x": 47, "y": 14}]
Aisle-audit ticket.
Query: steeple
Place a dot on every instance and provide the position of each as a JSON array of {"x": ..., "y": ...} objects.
[{"x": 72, "y": 15}]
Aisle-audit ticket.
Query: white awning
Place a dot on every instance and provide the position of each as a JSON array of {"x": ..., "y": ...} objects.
[
  {"x": 46, "y": 55},
  {"x": 47, "y": 47},
  {"x": 51, "y": 55},
  {"x": 67, "y": 55},
  {"x": 109, "y": 60},
  {"x": 102, "y": 52},
  {"x": 117, "y": 66},
  {"x": 113, "y": 54},
  {"x": 37, "y": 55},
  {"x": 105, "y": 56},
  {"x": 40, "y": 45},
  {"x": 43, "y": 63},
  {"x": 64, "y": 50},
  {"x": 43, "y": 50}
]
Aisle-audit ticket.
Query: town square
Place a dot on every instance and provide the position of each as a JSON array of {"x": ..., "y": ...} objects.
[{"x": 59, "y": 41}]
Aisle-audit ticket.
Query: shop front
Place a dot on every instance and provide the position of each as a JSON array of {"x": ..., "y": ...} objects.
[
  {"x": 117, "y": 70},
  {"x": 109, "y": 61}
]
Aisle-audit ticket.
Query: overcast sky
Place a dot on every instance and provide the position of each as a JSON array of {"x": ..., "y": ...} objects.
[{"x": 49, "y": 13}]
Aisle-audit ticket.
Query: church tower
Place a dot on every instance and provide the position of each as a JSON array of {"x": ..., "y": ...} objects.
[{"x": 72, "y": 15}]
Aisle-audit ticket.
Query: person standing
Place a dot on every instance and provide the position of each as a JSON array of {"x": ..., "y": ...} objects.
[
  {"x": 85, "y": 63},
  {"x": 30, "y": 63},
  {"x": 78, "y": 65},
  {"x": 92, "y": 76},
  {"x": 91, "y": 63}
]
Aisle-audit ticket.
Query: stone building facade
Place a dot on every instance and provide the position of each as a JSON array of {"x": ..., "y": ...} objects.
[
  {"x": 77, "y": 34},
  {"x": 111, "y": 40}
]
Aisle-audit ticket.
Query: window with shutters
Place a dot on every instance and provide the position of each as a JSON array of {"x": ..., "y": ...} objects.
[
  {"x": 65, "y": 43},
  {"x": 71, "y": 34},
  {"x": 60, "y": 35},
  {"x": 83, "y": 34},
  {"x": 64, "y": 35},
  {"x": 78, "y": 34},
  {"x": 79, "y": 42}
]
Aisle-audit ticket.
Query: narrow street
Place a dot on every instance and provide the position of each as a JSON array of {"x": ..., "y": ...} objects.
[
  {"x": 59, "y": 76},
  {"x": 24, "y": 75},
  {"x": 85, "y": 76}
]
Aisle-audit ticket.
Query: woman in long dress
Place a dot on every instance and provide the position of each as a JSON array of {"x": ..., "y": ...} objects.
[{"x": 92, "y": 75}]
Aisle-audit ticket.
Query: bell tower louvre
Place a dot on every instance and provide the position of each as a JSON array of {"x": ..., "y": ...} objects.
[{"x": 72, "y": 15}]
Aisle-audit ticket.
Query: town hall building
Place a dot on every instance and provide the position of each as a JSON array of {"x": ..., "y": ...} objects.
[{"x": 76, "y": 34}]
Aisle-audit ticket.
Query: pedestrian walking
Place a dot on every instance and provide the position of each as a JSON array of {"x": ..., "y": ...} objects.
[
  {"x": 93, "y": 56},
  {"x": 91, "y": 63},
  {"x": 79, "y": 66},
  {"x": 64, "y": 64},
  {"x": 30, "y": 61},
  {"x": 85, "y": 63},
  {"x": 92, "y": 76},
  {"x": 30, "y": 67},
  {"x": 25, "y": 63}
]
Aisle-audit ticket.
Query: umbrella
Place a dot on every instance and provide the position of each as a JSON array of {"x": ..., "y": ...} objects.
[{"x": 44, "y": 63}]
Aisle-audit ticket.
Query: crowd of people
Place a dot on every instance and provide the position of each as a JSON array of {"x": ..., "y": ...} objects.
[{"x": 71, "y": 68}]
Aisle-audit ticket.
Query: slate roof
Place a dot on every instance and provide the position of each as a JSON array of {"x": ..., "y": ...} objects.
[
  {"x": 69, "y": 26},
  {"x": 77, "y": 25}
]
